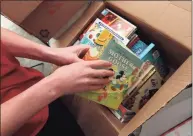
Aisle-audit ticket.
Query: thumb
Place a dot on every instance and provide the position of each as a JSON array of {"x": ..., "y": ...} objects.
[{"x": 82, "y": 50}]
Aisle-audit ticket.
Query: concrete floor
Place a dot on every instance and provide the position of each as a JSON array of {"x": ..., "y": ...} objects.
[{"x": 45, "y": 68}]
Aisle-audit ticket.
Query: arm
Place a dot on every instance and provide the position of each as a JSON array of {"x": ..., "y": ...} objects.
[
  {"x": 16, "y": 111},
  {"x": 21, "y": 47}
]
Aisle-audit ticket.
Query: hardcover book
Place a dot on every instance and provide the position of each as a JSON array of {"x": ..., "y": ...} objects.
[
  {"x": 127, "y": 67},
  {"x": 117, "y": 23}
]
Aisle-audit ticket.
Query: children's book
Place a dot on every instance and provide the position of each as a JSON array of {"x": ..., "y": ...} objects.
[
  {"x": 125, "y": 65},
  {"x": 132, "y": 40},
  {"x": 139, "y": 97},
  {"x": 152, "y": 54},
  {"x": 139, "y": 47},
  {"x": 94, "y": 31},
  {"x": 117, "y": 23},
  {"x": 123, "y": 114}
]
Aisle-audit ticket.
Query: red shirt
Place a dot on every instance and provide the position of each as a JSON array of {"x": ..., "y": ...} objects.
[{"x": 16, "y": 79}]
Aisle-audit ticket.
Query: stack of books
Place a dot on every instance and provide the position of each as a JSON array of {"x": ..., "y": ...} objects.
[{"x": 139, "y": 68}]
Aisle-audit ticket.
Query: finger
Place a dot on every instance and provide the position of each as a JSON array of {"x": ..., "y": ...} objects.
[
  {"x": 82, "y": 50},
  {"x": 95, "y": 87},
  {"x": 99, "y": 81},
  {"x": 102, "y": 73},
  {"x": 99, "y": 64}
]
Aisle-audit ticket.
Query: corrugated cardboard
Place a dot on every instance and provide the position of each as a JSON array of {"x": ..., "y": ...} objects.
[
  {"x": 42, "y": 19},
  {"x": 50, "y": 16},
  {"x": 168, "y": 24},
  {"x": 67, "y": 38},
  {"x": 178, "y": 81},
  {"x": 171, "y": 20},
  {"x": 17, "y": 11},
  {"x": 175, "y": 112},
  {"x": 150, "y": 20},
  {"x": 94, "y": 119},
  {"x": 155, "y": 19}
]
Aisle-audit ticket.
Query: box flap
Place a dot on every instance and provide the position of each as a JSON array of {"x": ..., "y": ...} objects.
[
  {"x": 175, "y": 84},
  {"x": 187, "y": 5},
  {"x": 50, "y": 16},
  {"x": 17, "y": 11},
  {"x": 162, "y": 16},
  {"x": 69, "y": 36},
  {"x": 96, "y": 121}
]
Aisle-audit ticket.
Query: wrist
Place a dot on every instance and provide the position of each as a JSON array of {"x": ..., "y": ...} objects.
[
  {"x": 52, "y": 85},
  {"x": 52, "y": 56}
]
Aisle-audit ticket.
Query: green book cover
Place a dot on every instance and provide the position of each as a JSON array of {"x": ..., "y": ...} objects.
[{"x": 125, "y": 65}]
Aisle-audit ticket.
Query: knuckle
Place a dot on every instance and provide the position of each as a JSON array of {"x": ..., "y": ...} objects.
[{"x": 86, "y": 81}]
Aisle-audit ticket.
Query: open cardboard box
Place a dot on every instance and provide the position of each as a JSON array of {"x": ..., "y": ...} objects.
[
  {"x": 166, "y": 23},
  {"x": 42, "y": 18},
  {"x": 156, "y": 21}
]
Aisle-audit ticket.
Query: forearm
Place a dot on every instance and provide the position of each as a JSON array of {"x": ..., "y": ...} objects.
[
  {"x": 16, "y": 111},
  {"x": 21, "y": 47}
]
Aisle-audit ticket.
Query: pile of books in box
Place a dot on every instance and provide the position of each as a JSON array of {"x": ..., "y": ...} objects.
[{"x": 139, "y": 68}]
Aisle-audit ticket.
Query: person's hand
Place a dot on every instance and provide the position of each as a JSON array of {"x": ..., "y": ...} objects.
[
  {"x": 82, "y": 76},
  {"x": 68, "y": 55}
]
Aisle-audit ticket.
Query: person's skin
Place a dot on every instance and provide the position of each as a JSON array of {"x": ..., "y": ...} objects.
[{"x": 77, "y": 76}]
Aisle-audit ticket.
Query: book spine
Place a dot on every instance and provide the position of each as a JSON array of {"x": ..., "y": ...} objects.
[
  {"x": 140, "y": 79},
  {"x": 133, "y": 42},
  {"x": 141, "y": 56},
  {"x": 139, "y": 85}
]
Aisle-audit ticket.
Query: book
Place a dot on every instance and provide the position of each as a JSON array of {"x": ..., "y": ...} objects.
[
  {"x": 125, "y": 64},
  {"x": 132, "y": 40},
  {"x": 153, "y": 55},
  {"x": 141, "y": 96},
  {"x": 142, "y": 80},
  {"x": 94, "y": 31},
  {"x": 123, "y": 114},
  {"x": 139, "y": 47},
  {"x": 116, "y": 22}
]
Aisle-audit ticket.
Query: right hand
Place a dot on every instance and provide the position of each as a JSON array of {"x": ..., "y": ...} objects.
[{"x": 82, "y": 76}]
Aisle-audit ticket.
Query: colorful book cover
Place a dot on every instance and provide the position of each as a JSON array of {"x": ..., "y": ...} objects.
[
  {"x": 94, "y": 31},
  {"x": 139, "y": 47},
  {"x": 153, "y": 55},
  {"x": 132, "y": 40},
  {"x": 123, "y": 114},
  {"x": 125, "y": 64},
  {"x": 116, "y": 22},
  {"x": 141, "y": 96}
]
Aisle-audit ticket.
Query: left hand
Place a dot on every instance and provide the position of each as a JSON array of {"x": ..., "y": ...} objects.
[{"x": 68, "y": 55}]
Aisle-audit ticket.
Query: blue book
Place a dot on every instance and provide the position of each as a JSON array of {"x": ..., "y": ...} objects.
[
  {"x": 153, "y": 55},
  {"x": 139, "y": 47}
]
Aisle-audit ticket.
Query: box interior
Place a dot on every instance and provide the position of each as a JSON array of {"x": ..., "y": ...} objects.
[{"x": 169, "y": 48}]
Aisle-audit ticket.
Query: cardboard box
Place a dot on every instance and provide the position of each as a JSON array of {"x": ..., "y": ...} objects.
[
  {"x": 157, "y": 22},
  {"x": 175, "y": 112},
  {"x": 42, "y": 19},
  {"x": 17, "y": 11},
  {"x": 166, "y": 23}
]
